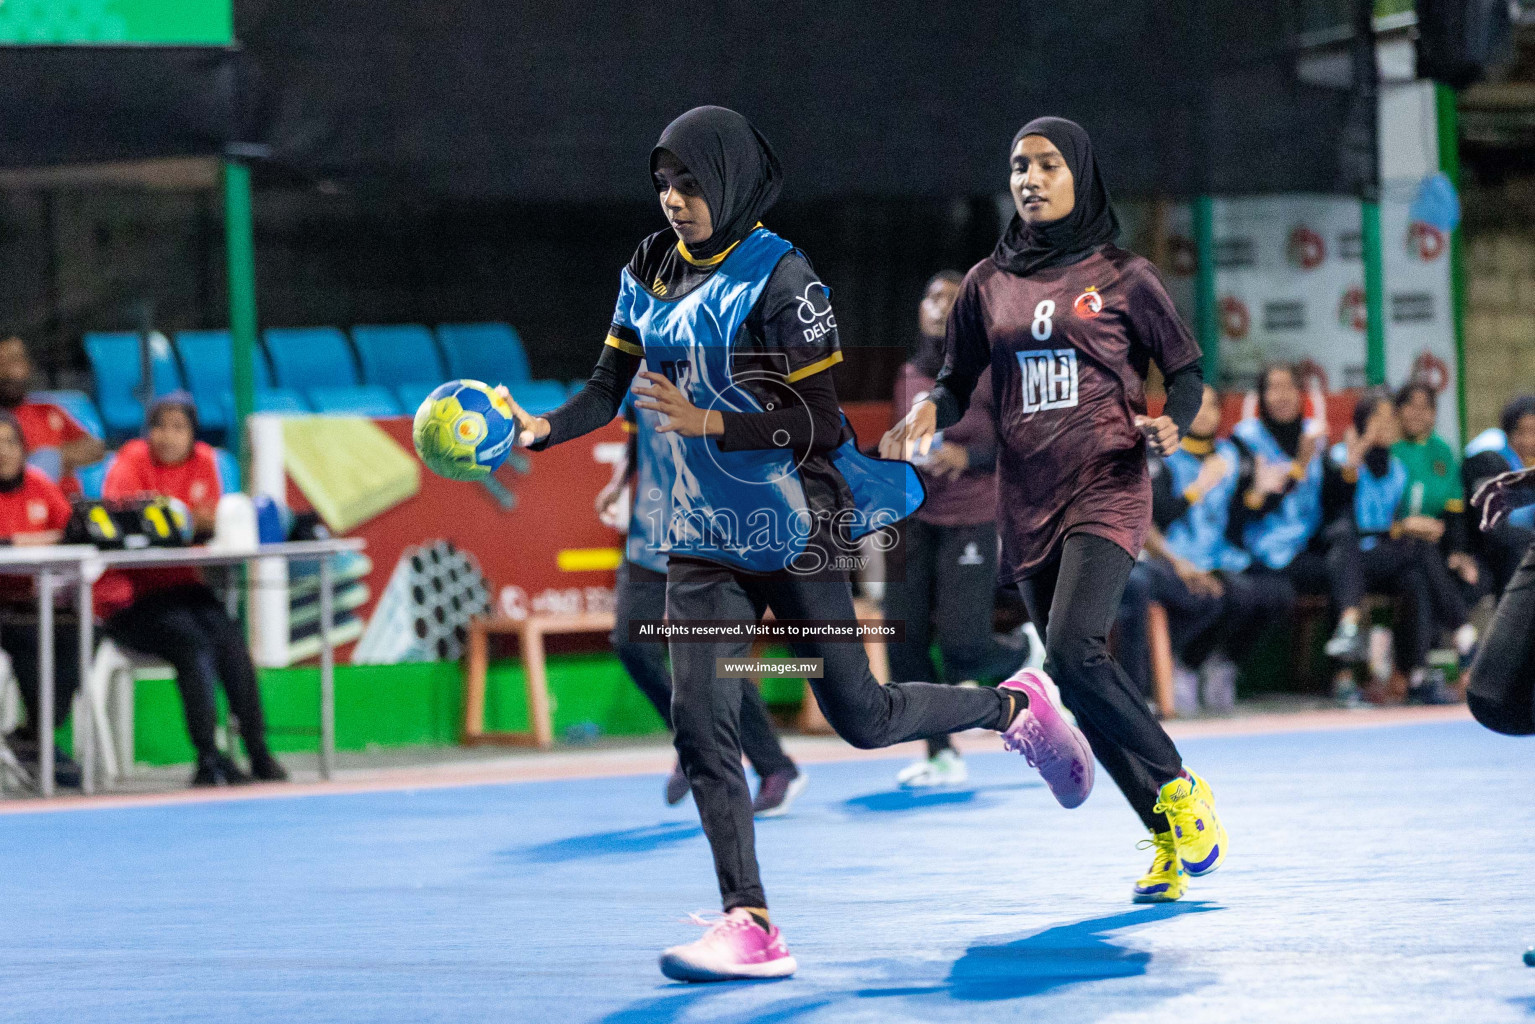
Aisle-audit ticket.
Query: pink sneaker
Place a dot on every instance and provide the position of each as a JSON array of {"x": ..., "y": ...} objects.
[
  {"x": 734, "y": 948},
  {"x": 1049, "y": 742}
]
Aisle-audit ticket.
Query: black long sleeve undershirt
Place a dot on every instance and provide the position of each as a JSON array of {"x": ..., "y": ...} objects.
[
  {"x": 598, "y": 401},
  {"x": 813, "y": 427},
  {"x": 1185, "y": 394}
]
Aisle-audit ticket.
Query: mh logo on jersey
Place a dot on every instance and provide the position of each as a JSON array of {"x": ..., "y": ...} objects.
[{"x": 1049, "y": 379}]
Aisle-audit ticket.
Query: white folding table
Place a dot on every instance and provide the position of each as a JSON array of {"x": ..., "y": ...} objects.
[{"x": 84, "y": 564}]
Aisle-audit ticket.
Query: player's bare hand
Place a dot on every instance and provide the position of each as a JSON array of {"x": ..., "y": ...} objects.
[
  {"x": 913, "y": 435},
  {"x": 530, "y": 429},
  {"x": 1211, "y": 472},
  {"x": 1464, "y": 566},
  {"x": 682, "y": 416},
  {"x": 1161, "y": 433},
  {"x": 1270, "y": 477},
  {"x": 947, "y": 461},
  {"x": 1504, "y": 493}
]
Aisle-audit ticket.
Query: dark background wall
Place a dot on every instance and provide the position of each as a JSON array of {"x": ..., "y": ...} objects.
[{"x": 95, "y": 258}]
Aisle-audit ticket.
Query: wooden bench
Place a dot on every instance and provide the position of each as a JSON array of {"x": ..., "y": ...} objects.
[{"x": 530, "y": 633}]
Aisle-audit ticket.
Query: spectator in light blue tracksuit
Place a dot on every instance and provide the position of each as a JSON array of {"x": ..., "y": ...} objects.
[
  {"x": 1363, "y": 489},
  {"x": 1508, "y": 447},
  {"x": 1276, "y": 512}
]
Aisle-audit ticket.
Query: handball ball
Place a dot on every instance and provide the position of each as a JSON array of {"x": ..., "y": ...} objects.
[{"x": 464, "y": 430}]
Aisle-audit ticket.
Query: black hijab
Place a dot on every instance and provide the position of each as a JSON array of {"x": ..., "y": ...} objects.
[
  {"x": 1025, "y": 248},
  {"x": 735, "y": 167}
]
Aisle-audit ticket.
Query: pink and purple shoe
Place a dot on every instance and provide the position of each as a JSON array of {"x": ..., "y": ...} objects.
[
  {"x": 1048, "y": 741},
  {"x": 735, "y": 948}
]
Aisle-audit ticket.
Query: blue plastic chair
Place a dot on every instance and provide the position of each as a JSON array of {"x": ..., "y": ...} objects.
[
  {"x": 539, "y": 396},
  {"x": 397, "y": 354},
  {"x": 412, "y": 395},
  {"x": 358, "y": 400},
  {"x": 92, "y": 477},
  {"x": 205, "y": 356},
  {"x": 114, "y": 357},
  {"x": 77, "y": 403},
  {"x": 229, "y": 470},
  {"x": 285, "y": 401},
  {"x": 490, "y": 352},
  {"x": 310, "y": 357}
]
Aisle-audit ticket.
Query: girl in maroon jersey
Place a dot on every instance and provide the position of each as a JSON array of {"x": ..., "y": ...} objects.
[{"x": 1068, "y": 324}]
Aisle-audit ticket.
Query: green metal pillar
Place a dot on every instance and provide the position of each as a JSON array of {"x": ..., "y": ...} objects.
[
  {"x": 1207, "y": 322},
  {"x": 1448, "y": 119},
  {"x": 239, "y": 240},
  {"x": 1374, "y": 295}
]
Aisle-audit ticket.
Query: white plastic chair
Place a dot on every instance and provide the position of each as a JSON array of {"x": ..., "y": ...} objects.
[
  {"x": 11, "y": 770},
  {"x": 109, "y": 694}
]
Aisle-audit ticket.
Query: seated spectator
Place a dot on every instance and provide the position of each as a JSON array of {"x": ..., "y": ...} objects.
[
  {"x": 1192, "y": 569},
  {"x": 1365, "y": 487},
  {"x": 33, "y": 511},
  {"x": 1433, "y": 479},
  {"x": 1494, "y": 452},
  {"x": 1276, "y": 515},
  {"x": 56, "y": 441},
  {"x": 172, "y": 613}
]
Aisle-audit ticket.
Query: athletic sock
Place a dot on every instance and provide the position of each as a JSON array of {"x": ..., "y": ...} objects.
[
  {"x": 1465, "y": 639},
  {"x": 1013, "y": 701},
  {"x": 760, "y": 915}
]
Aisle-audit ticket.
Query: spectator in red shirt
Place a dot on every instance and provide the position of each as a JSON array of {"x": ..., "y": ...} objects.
[
  {"x": 44, "y": 426},
  {"x": 172, "y": 613},
  {"x": 33, "y": 511}
]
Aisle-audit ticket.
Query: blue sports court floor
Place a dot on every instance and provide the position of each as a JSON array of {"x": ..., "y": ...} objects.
[{"x": 1376, "y": 874}]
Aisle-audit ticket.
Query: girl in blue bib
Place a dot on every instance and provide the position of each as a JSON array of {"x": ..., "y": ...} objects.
[{"x": 757, "y": 494}]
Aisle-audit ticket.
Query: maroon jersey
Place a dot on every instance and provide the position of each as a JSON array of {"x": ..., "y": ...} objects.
[{"x": 1068, "y": 348}]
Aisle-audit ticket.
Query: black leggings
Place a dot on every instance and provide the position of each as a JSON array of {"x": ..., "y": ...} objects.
[
  {"x": 18, "y": 637},
  {"x": 706, "y": 711},
  {"x": 947, "y": 574},
  {"x": 188, "y": 627},
  {"x": 1073, "y": 601},
  {"x": 641, "y": 595},
  {"x": 1502, "y": 690}
]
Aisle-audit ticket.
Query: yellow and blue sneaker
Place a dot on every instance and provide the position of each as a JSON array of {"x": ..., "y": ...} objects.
[
  {"x": 1164, "y": 882},
  {"x": 1197, "y": 830}
]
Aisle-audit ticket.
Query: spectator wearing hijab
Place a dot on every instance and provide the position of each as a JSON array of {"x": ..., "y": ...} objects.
[
  {"x": 171, "y": 613},
  {"x": 33, "y": 511}
]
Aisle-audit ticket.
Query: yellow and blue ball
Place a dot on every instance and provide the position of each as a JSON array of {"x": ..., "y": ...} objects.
[{"x": 464, "y": 430}]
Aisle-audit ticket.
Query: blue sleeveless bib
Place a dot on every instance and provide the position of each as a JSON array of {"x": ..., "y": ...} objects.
[
  {"x": 745, "y": 509},
  {"x": 1376, "y": 498},
  {"x": 1278, "y": 537},
  {"x": 1199, "y": 535}
]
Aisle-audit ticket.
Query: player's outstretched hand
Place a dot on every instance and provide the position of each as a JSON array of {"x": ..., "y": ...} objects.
[
  {"x": 1161, "y": 433},
  {"x": 1504, "y": 493},
  {"x": 913, "y": 435},
  {"x": 530, "y": 429}
]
